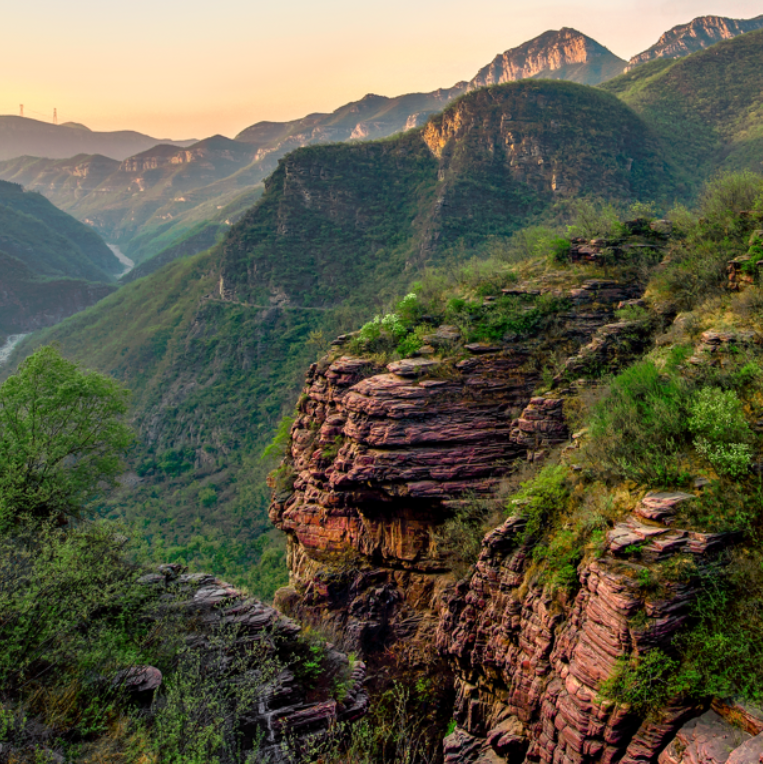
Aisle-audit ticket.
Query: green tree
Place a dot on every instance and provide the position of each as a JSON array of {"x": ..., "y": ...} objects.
[{"x": 62, "y": 437}]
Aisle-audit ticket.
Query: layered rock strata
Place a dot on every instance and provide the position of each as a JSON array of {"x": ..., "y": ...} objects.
[
  {"x": 531, "y": 663},
  {"x": 381, "y": 457}
]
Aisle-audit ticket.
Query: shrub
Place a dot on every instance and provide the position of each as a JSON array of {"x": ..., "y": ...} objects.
[
  {"x": 459, "y": 539},
  {"x": 534, "y": 241},
  {"x": 208, "y": 496},
  {"x": 540, "y": 498},
  {"x": 720, "y": 430},
  {"x": 280, "y": 443},
  {"x": 559, "y": 249},
  {"x": 722, "y": 652},
  {"x": 197, "y": 715},
  {"x": 645, "y": 682},
  {"x": 593, "y": 220},
  {"x": 725, "y": 198},
  {"x": 639, "y": 427}
]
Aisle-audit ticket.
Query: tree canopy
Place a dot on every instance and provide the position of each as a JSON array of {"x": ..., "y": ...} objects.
[{"x": 62, "y": 437}]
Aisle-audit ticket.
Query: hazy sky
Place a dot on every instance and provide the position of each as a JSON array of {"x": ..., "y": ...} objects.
[{"x": 191, "y": 69}]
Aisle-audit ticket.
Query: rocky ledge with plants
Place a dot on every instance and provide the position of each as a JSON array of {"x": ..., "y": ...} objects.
[{"x": 551, "y": 471}]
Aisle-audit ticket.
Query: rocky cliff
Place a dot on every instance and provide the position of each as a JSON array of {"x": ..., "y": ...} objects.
[
  {"x": 385, "y": 457},
  {"x": 530, "y": 667},
  {"x": 565, "y": 54},
  {"x": 698, "y": 34},
  {"x": 381, "y": 457}
]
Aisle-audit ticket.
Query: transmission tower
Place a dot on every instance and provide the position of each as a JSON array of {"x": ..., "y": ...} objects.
[
  {"x": 21, "y": 107},
  {"x": 55, "y": 116}
]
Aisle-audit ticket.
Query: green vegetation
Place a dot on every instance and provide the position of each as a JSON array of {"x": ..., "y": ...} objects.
[
  {"x": 705, "y": 107},
  {"x": 538, "y": 499},
  {"x": 212, "y": 377},
  {"x": 62, "y": 437},
  {"x": 50, "y": 242},
  {"x": 49, "y": 261}
]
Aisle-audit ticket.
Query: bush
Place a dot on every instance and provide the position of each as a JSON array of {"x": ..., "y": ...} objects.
[
  {"x": 197, "y": 716},
  {"x": 723, "y": 200},
  {"x": 460, "y": 538},
  {"x": 72, "y": 614},
  {"x": 638, "y": 429},
  {"x": 720, "y": 430},
  {"x": 592, "y": 220},
  {"x": 540, "y": 498},
  {"x": 645, "y": 682}
]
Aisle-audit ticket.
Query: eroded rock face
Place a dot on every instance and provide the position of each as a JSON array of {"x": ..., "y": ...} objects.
[
  {"x": 562, "y": 54},
  {"x": 381, "y": 455},
  {"x": 698, "y": 34},
  {"x": 537, "y": 660}
]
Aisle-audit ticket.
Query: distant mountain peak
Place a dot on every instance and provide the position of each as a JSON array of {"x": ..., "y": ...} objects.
[
  {"x": 558, "y": 54},
  {"x": 700, "y": 33}
]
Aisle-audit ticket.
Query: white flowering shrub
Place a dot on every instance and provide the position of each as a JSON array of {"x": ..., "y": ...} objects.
[{"x": 721, "y": 433}]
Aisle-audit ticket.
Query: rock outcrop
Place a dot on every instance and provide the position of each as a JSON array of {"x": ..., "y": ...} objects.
[
  {"x": 380, "y": 458},
  {"x": 563, "y": 54},
  {"x": 531, "y": 663},
  {"x": 285, "y": 709},
  {"x": 700, "y": 33}
]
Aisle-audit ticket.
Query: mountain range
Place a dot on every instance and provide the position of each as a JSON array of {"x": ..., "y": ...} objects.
[
  {"x": 342, "y": 230},
  {"x": 22, "y": 136},
  {"x": 147, "y": 201}
]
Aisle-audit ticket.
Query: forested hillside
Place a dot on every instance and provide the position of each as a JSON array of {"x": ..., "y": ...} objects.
[
  {"x": 52, "y": 264},
  {"x": 705, "y": 107}
]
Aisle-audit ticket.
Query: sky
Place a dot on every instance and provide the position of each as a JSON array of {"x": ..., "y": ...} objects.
[{"x": 192, "y": 68}]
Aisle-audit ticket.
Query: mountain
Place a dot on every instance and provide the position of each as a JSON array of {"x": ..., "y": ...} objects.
[
  {"x": 698, "y": 34},
  {"x": 214, "y": 346},
  {"x": 565, "y": 54},
  {"x": 373, "y": 116},
  {"x": 147, "y": 200},
  {"x": 50, "y": 262},
  {"x": 705, "y": 107},
  {"x": 340, "y": 232},
  {"x": 21, "y": 136}
]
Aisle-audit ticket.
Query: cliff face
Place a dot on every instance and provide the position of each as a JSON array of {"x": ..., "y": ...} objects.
[
  {"x": 530, "y": 671},
  {"x": 381, "y": 457},
  {"x": 564, "y": 54},
  {"x": 700, "y": 33}
]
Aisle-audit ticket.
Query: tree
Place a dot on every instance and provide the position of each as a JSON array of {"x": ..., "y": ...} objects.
[{"x": 62, "y": 437}]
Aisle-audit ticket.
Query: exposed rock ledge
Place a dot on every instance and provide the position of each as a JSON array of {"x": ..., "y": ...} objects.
[{"x": 530, "y": 666}]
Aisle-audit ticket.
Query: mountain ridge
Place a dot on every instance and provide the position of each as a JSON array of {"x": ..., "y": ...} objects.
[
  {"x": 21, "y": 136},
  {"x": 557, "y": 54},
  {"x": 698, "y": 34},
  {"x": 340, "y": 231}
]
